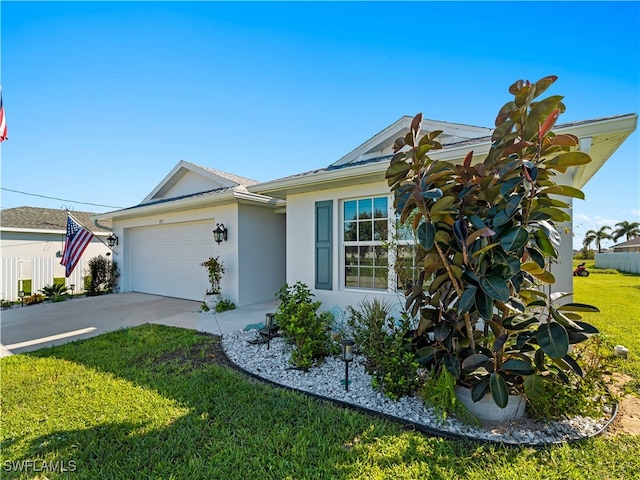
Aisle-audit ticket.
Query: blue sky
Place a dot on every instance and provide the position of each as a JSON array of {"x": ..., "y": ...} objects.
[{"x": 104, "y": 99}]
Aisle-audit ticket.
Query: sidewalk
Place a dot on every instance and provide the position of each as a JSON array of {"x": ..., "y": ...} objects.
[{"x": 30, "y": 328}]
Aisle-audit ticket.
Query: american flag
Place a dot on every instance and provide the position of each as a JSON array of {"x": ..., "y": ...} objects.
[
  {"x": 3, "y": 122},
  {"x": 75, "y": 243}
]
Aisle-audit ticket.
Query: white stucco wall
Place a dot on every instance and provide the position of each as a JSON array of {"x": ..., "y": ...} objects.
[
  {"x": 192, "y": 182},
  {"x": 261, "y": 253},
  {"x": 301, "y": 247}
]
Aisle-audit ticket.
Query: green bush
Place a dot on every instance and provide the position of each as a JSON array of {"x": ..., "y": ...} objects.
[
  {"x": 225, "y": 305},
  {"x": 300, "y": 324},
  {"x": 585, "y": 395},
  {"x": 102, "y": 278},
  {"x": 438, "y": 392},
  {"x": 5, "y": 304},
  {"x": 387, "y": 346},
  {"x": 56, "y": 292}
]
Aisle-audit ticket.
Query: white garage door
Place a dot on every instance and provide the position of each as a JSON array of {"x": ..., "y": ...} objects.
[{"x": 165, "y": 259}]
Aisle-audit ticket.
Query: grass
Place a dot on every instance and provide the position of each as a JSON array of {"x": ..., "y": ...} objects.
[
  {"x": 156, "y": 402},
  {"x": 617, "y": 296}
]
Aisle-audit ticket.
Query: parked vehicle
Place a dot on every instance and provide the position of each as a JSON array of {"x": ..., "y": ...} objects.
[{"x": 581, "y": 271}]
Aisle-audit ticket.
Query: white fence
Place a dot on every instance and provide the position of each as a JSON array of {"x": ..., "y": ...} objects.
[
  {"x": 40, "y": 274},
  {"x": 624, "y": 262}
]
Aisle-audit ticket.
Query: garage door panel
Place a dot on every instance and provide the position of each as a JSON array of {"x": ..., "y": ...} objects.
[{"x": 165, "y": 259}]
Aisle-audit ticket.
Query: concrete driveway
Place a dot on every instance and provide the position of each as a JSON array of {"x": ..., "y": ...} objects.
[{"x": 24, "y": 329}]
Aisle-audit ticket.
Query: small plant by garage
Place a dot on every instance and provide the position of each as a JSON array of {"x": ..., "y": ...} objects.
[{"x": 215, "y": 270}]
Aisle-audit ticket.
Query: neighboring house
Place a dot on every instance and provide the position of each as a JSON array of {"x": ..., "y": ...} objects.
[
  {"x": 630, "y": 246},
  {"x": 328, "y": 228},
  {"x": 31, "y": 242},
  {"x": 624, "y": 257}
]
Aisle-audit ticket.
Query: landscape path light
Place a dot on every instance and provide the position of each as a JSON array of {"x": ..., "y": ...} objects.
[{"x": 347, "y": 356}]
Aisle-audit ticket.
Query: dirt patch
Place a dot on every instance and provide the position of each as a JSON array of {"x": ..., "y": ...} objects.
[
  {"x": 627, "y": 422},
  {"x": 208, "y": 351}
]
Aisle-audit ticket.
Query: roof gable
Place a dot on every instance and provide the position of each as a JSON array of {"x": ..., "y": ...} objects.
[
  {"x": 381, "y": 144},
  {"x": 187, "y": 178}
]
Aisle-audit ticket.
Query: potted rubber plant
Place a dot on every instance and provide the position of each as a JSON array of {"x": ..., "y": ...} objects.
[
  {"x": 215, "y": 270},
  {"x": 487, "y": 236}
]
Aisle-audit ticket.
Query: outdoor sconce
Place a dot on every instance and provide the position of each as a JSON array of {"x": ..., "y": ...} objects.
[
  {"x": 269, "y": 328},
  {"x": 21, "y": 296},
  {"x": 347, "y": 356},
  {"x": 112, "y": 240},
  {"x": 220, "y": 233}
]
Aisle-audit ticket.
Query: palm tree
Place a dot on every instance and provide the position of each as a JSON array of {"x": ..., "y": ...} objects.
[
  {"x": 626, "y": 229},
  {"x": 596, "y": 236}
]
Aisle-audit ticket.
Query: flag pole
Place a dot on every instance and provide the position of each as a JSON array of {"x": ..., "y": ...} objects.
[{"x": 83, "y": 226}]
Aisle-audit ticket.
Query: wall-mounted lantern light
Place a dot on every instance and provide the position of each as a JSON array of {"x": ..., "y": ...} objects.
[
  {"x": 220, "y": 233},
  {"x": 112, "y": 240},
  {"x": 347, "y": 356}
]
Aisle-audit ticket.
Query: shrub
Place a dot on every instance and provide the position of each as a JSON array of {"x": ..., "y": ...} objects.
[
  {"x": 103, "y": 276},
  {"x": 438, "y": 392},
  {"x": 33, "y": 299},
  {"x": 300, "y": 324},
  {"x": 225, "y": 305},
  {"x": 56, "y": 292},
  {"x": 387, "y": 345},
  {"x": 585, "y": 395},
  {"x": 5, "y": 304}
]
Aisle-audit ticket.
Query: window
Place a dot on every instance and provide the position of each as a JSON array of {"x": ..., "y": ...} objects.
[
  {"x": 405, "y": 266},
  {"x": 365, "y": 233}
]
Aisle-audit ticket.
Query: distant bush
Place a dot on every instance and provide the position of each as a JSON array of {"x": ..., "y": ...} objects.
[
  {"x": 103, "y": 276},
  {"x": 33, "y": 299},
  {"x": 225, "y": 305}
]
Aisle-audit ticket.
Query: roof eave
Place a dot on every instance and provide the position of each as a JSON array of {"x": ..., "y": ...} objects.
[
  {"x": 42, "y": 230},
  {"x": 366, "y": 173},
  {"x": 238, "y": 195}
]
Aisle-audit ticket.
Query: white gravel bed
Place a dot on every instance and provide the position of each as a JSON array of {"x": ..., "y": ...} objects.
[{"x": 273, "y": 364}]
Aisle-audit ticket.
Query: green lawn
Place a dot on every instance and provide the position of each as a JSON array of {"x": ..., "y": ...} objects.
[{"x": 150, "y": 402}]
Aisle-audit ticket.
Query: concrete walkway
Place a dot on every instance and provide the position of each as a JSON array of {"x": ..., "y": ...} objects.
[{"x": 23, "y": 329}]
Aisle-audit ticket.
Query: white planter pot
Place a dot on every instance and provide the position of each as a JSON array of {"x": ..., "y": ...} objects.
[
  {"x": 212, "y": 299},
  {"x": 486, "y": 408}
]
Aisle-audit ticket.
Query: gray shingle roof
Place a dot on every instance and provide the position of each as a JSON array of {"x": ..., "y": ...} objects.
[
  {"x": 229, "y": 176},
  {"x": 44, "y": 219}
]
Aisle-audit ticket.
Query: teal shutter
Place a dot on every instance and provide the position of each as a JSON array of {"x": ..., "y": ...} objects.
[{"x": 324, "y": 245}]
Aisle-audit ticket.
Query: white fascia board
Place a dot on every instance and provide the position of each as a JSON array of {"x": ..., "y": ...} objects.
[
  {"x": 168, "y": 177},
  {"x": 230, "y": 196},
  {"x": 602, "y": 127},
  {"x": 308, "y": 183},
  {"x": 169, "y": 206}
]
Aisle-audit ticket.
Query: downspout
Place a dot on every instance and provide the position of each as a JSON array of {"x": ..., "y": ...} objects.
[{"x": 103, "y": 227}]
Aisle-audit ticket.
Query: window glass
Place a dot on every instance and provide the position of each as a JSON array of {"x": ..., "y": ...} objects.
[{"x": 365, "y": 232}]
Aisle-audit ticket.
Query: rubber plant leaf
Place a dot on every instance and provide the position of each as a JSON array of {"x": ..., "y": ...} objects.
[
  {"x": 553, "y": 339},
  {"x": 499, "y": 390}
]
